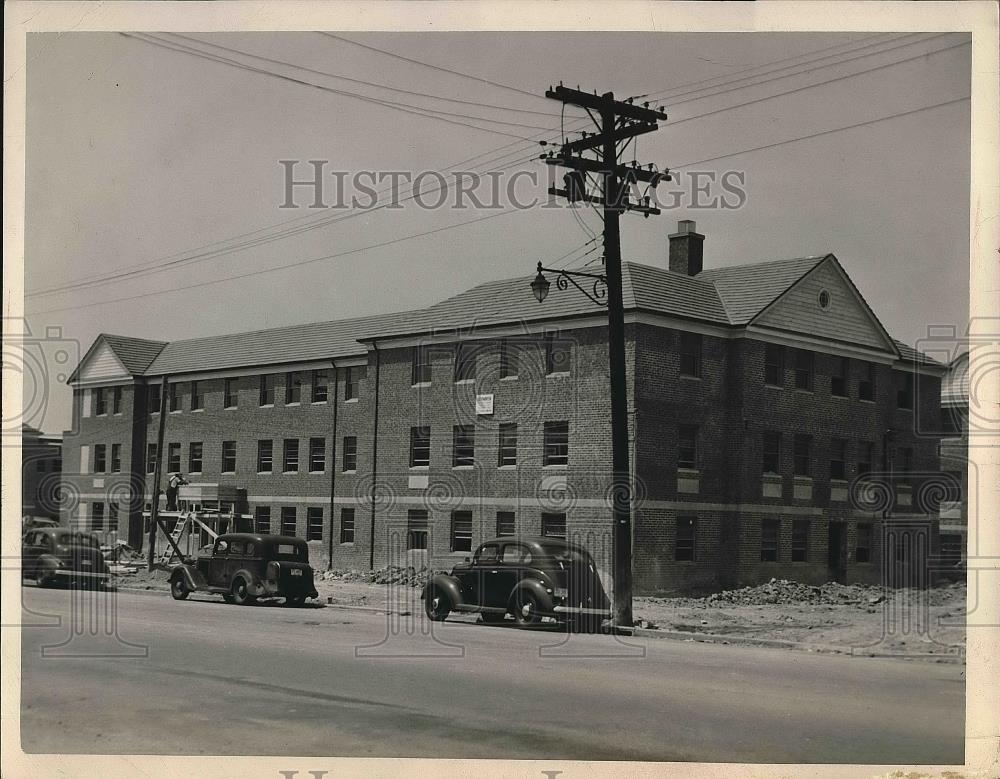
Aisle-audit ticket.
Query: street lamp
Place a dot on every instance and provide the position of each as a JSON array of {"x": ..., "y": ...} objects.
[
  {"x": 540, "y": 286},
  {"x": 598, "y": 293}
]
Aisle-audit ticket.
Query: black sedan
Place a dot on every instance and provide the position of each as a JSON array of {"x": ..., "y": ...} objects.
[
  {"x": 51, "y": 555},
  {"x": 527, "y": 578}
]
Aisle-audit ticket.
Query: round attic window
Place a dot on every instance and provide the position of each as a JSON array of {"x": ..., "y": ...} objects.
[{"x": 824, "y": 299}]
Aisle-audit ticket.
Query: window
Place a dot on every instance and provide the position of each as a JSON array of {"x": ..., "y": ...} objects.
[
  {"x": 175, "y": 397},
  {"x": 100, "y": 458},
  {"x": 800, "y": 540},
  {"x": 290, "y": 456},
  {"x": 314, "y": 523},
  {"x": 838, "y": 459},
  {"x": 488, "y": 553},
  {"x": 289, "y": 521},
  {"x": 97, "y": 516},
  {"x": 804, "y": 369},
  {"x": 687, "y": 446},
  {"x": 803, "y": 443},
  {"x": 866, "y": 385},
  {"x": 347, "y": 526},
  {"x": 464, "y": 445},
  {"x": 508, "y": 360},
  {"x": 352, "y": 375},
  {"x": 320, "y": 392},
  {"x": 557, "y": 354},
  {"x": 863, "y": 548},
  {"x": 293, "y": 387},
  {"x": 556, "y": 443},
  {"x": 461, "y": 531},
  {"x": 769, "y": 540},
  {"x": 317, "y": 455},
  {"x": 684, "y": 543},
  {"x": 153, "y": 398},
  {"x": 196, "y": 398},
  {"x": 690, "y": 354},
  {"x": 195, "y": 453},
  {"x": 771, "y": 459},
  {"x": 774, "y": 365},
  {"x": 100, "y": 402},
  {"x": 416, "y": 529},
  {"x": 228, "y": 456},
  {"x": 266, "y": 390},
  {"x": 262, "y": 519},
  {"x": 113, "y": 517},
  {"x": 838, "y": 381},
  {"x": 505, "y": 523},
  {"x": 116, "y": 458},
  {"x": 265, "y": 456},
  {"x": 150, "y": 458},
  {"x": 116, "y": 400},
  {"x": 866, "y": 458},
  {"x": 230, "y": 394},
  {"x": 904, "y": 391},
  {"x": 465, "y": 362},
  {"x": 554, "y": 525},
  {"x": 173, "y": 458},
  {"x": 350, "y": 453},
  {"x": 421, "y": 367},
  {"x": 507, "y": 444},
  {"x": 420, "y": 447}
]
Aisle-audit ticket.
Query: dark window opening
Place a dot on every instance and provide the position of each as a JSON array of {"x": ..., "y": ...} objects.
[
  {"x": 557, "y": 354},
  {"x": 804, "y": 360},
  {"x": 866, "y": 385},
  {"x": 554, "y": 525},
  {"x": 265, "y": 456},
  {"x": 802, "y": 447},
  {"x": 416, "y": 529},
  {"x": 100, "y": 458},
  {"x": 293, "y": 387},
  {"x": 687, "y": 446},
  {"x": 290, "y": 456},
  {"x": 690, "y": 354},
  {"x": 769, "y": 540},
  {"x": 505, "y": 523},
  {"x": 347, "y": 526},
  {"x": 173, "y": 458},
  {"x": 556, "y": 443},
  {"x": 262, "y": 519},
  {"x": 350, "y": 453},
  {"x": 289, "y": 521},
  {"x": 230, "y": 397},
  {"x": 461, "y": 531},
  {"x": 838, "y": 459},
  {"x": 464, "y": 445},
  {"x": 314, "y": 523},
  {"x": 197, "y": 400},
  {"x": 320, "y": 384},
  {"x": 771, "y": 459},
  {"x": 421, "y": 369},
  {"x": 863, "y": 547},
  {"x": 800, "y": 540},
  {"x": 684, "y": 544},
  {"x": 228, "y": 456},
  {"x": 507, "y": 444},
  {"x": 267, "y": 390},
  {"x": 420, "y": 447},
  {"x": 838, "y": 381},
  {"x": 317, "y": 455},
  {"x": 195, "y": 452},
  {"x": 774, "y": 365}
]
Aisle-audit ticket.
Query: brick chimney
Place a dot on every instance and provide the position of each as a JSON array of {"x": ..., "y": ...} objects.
[{"x": 686, "y": 251}]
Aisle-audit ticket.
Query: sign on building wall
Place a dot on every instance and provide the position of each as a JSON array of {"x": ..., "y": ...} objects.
[{"x": 484, "y": 404}]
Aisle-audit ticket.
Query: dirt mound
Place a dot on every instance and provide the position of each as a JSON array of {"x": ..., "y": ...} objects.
[
  {"x": 784, "y": 592},
  {"x": 392, "y": 574}
]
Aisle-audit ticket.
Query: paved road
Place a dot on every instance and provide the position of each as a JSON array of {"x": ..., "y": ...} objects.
[{"x": 220, "y": 679}]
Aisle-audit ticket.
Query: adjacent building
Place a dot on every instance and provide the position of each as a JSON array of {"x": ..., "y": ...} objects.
[
  {"x": 41, "y": 473},
  {"x": 760, "y": 396},
  {"x": 954, "y": 509}
]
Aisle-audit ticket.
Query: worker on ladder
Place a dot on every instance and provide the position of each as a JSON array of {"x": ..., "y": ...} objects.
[{"x": 173, "y": 486}]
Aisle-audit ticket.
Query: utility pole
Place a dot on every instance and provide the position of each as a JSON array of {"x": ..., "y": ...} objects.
[
  {"x": 618, "y": 122},
  {"x": 154, "y": 510}
]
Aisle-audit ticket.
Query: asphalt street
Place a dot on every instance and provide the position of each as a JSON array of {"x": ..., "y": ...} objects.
[{"x": 138, "y": 673}]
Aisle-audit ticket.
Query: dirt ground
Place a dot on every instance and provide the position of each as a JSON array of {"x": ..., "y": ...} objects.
[{"x": 851, "y": 618}]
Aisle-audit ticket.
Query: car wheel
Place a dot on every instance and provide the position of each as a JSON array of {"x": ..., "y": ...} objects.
[
  {"x": 178, "y": 588},
  {"x": 241, "y": 592},
  {"x": 44, "y": 576},
  {"x": 437, "y": 606},
  {"x": 228, "y": 598},
  {"x": 526, "y": 609},
  {"x": 296, "y": 600}
]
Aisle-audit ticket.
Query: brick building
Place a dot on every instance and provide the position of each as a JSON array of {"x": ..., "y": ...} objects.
[
  {"x": 757, "y": 395},
  {"x": 41, "y": 468}
]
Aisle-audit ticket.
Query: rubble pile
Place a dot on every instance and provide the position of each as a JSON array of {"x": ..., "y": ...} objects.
[
  {"x": 392, "y": 574},
  {"x": 784, "y": 592}
]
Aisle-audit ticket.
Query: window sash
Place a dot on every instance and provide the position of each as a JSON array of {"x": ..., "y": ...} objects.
[
  {"x": 505, "y": 523},
  {"x": 465, "y": 362},
  {"x": 175, "y": 397},
  {"x": 195, "y": 454},
  {"x": 293, "y": 387},
  {"x": 350, "y": 453},
  {"x": 320, "y": 391},
  {"x": 265, "y": 456},
  {"x": 800, "y": 541},
  {"x": 690, "y": 354},
  {"x": 554, "y": 525},
  {"x": 230, "y": 394},
  {"x": 771, "y": 460},
  {"x": 838, "y": 459},
  {"x": 464, "y": 445},
  {"x": 863, "y": 545},
  {"x": 347, "y": 526},
  {"x": 314, "y": 523},
  {"x": 289, "y": 520},
  {"x": 116, "y": 400},
  {"x": 266, "y": 390},
  {"x": 774, "y": 365},
  {"x": 804, "y": 369},
  {"x": 421, "y": 366},
  {"x": 116, "y": 458},
  {"x": 262, "y": 519},
  {"x": 290, "y": 456},
  {"x": 196, "y": 399},
  {"x": 228, "y": 456},
  {"x": 100, "y": 458},
  {"x": 687, "y": 446},
  {"x": 317, "y": 455},
  {"x": 685, "y": 538},
  {"x": 100, "y": 402},
  {"x": 461, "y": 531},
  {"x": 507, "y": 445},
  {"x": 801, "y": 455},
  {"x": 173, "y": 458},
  {"x": 416, "y": 529},
  {"x": 508, "y": 360},
  {"x": 556, "y": 443},
  {"x": 769, "y": 531},
  {"x": 420, "y": 446},
  {"x": 557, "y": 354},
  {"x": 151, "y": 458}
]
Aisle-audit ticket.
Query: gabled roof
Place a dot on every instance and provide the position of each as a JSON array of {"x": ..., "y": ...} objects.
[
  {"x": 955, "y": 384},
  {"x": 135, "y": 354},
  {"x": 746, "y": 290}
]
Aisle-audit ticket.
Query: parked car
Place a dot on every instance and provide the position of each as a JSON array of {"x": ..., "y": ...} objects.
[
  {"x": 50, "y": 555},
  {"x": 247, "y": 567},
  {"x": 528, "y": 578}
]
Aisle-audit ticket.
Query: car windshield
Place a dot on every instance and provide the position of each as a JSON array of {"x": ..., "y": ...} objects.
[
  {"x": 80, "y": 539},
  {"x": 567, "y": 557}
]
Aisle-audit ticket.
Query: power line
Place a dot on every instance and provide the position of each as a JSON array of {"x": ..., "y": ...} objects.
[
  {"x": 115, "y": 277},
  {"x": 671, "y": 103},
  {"x": 823, "y": 132},
  {"x": 286, "y": 266},
  {"x": 817, "y": 84},
  {"x": 366, "y": 83},
  {"x": 433, "y": 67},
  {"x": 180, "y": 48}
]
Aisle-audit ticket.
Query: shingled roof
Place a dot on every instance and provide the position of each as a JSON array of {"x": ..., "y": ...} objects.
[{"x": 729, "y": 297}]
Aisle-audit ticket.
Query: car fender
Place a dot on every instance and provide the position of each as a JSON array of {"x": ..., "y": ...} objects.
[
  {"x": 47, "y": 562},
  {"x": 448, "y": 585},
  {"x": 540, "y": 592},
  {"x": 193, "y": 578},
  {"x": 254, "y": 585}
]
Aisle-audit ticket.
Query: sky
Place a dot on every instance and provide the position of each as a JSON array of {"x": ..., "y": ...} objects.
[{"x": 137, "y": 156}]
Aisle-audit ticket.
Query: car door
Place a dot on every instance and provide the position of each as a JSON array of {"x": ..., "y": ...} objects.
[
  {"x": 217, "y": 565},
  {"x": 501, "y": 583},
  {"x": 235, "y": 559},
  {"x": 30, "y": 551},
  {"x": 487, "y": 568}
]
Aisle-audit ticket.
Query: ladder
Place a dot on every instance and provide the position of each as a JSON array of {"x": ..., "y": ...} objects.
[{"x": 186, "y": 521}]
